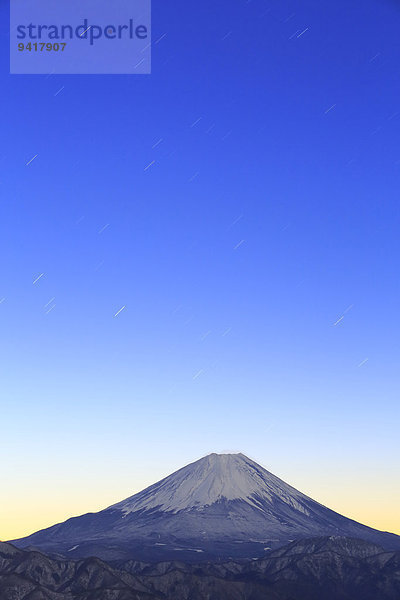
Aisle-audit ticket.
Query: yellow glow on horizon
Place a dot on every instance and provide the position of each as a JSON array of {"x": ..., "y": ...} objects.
[{"x": 22, "y": 518}]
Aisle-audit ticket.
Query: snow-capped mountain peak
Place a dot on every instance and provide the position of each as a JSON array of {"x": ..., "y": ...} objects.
[{"x": 212, "y": 479}]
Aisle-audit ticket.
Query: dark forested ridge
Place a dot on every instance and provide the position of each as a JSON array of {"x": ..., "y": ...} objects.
[{"x": 329, "y": 568}]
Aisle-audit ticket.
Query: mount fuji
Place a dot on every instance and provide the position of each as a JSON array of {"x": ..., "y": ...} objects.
[{"x": 219, "y": 507}]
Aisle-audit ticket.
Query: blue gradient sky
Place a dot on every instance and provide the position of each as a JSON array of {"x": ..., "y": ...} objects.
[{"x": 266, "y": 215}]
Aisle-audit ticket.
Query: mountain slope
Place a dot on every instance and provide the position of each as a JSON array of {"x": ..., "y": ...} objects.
[
  {"x": 328, "y": 568},
  {"x": 34, "y": 576},
  {"x": 333, "y": 568},
  {"x": 219, "y": 506}
]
